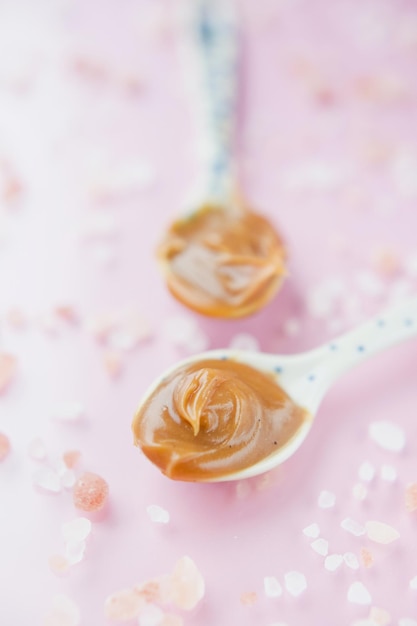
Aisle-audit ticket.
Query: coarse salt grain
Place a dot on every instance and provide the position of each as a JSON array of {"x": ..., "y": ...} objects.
[
  {"x": 358, "y": 594},
  {"x": 59, "y": 564},
  {"x": 123, "y": 605},
  {"x": 90, "y": 492},
  {"x": 333, "y": 562},
  {"x": 186, "y": 584},
  {"x": 359, "y": 491},
  {"x": 413, "y": 583},
  {"x": 388, "y": 473},
  {"x": 380, "y": 617},
  {"x": 411, "y": 497},
  {"x": 249, "y": 598},
  {"x": 381, "y": 532},
  {"x": 67, "y": 477},
  {"x": 387, "y": 435},
  {"x": 313, "y": 530},
  {"x": 47, "y": 479},
  {"x": 4, "y": 446},
  {"x": 150, "y": 615},
  {"x": 272, "y": 587},
  {"x": 295, "y": 583},
  {"x": 71, "y": 458},
  {"x": 63, "y": 612},
  {"x": 77, "y": 529},
  {"x": 74, "y": 551},
  {"x": 366, "y": 557},
  {"x": 366, "y": 471},
  {"x": 157, "y": 514},
  {"x": 326, "y": 499},
  {"x": 352, "y": 527},
  {"x": 8, "y": 366},
  {"x": 321, "y": 546},
  {"x": 351, "y": 560}
]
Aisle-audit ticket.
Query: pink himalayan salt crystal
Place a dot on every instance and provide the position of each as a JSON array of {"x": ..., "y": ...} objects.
[
  {"x": 58, "y": 564},
  {"x": 113, "y": 363},
  {"x": 150, "y": 591},
  {"x": 8, "y": 364},
  {"x": 71, "y": 458},
  {"x": 76, "y": 530},
  {"x": 63, "y": 612},
  {"x": 411, "y": 497},
  {"x": 186, "y": 584},
  {"x": 366, "y": 557},
  {"x": 4, "y": 446},
  {"x": 380, "y": 617},
  {"x": 249, "y": 598},
  {"x": 123, "y": 605},
  {"x": 90, "y": 492},
  {"x": 66, "y": 313},
  {"x": 381, "y": 532}
]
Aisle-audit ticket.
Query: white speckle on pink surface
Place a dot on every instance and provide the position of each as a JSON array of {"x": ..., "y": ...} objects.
[
  {"x": 366, "y": 471},
  {"x": 37, "y": 450},
  {"x": 74, "y": 551},
  {"x": 321, "y": 546},
  {"x": 244, "y": 341},
  {"x": 71, "y": 411},
  {"x": 387, "y": 435},
  {"x": 150, "y": 615},
  {"x": 379, "y": 616},
  {"x": 123, "y": 605},
  {"x": 312, "y": 530},
  {"x": 411, "y": 497},
  {"x": 388, "y": 473},
  {"x": 381, "y": 532},
  {"x": 358, "y": 594},
  {"x": 47, "y": 479},
  {"x": 326, "y": 499},
  {"x": 333, "y": 562},
  {"x": 352, "y": 527},
  {"x": 8, "y": 366},
  {"x": 359, "y": 492},
  {"x": 63, "y": 612},
  {"x": 76, "y": 530},
  {"x": 5, "y": 446},
  {"x": 407, "y": 621},
  {"x": 67, "y": 477},
  {"x": 157, "y": 514},
  {"x": 272, "y": 587},
  {"x": 186, "y": 584},
  {"x": 295, "y": 583},
  {"x": 413, "y": 583},
  {"x": 351, "y": 560}
]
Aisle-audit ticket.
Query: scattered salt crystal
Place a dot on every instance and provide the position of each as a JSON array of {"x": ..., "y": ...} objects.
[
  {"x": 8, "y": 365},
  {"x": 407, "y": 621},
  {"x": 351, "y": 560},
  {"x": 47, "y": 479},
  {"x": 157, "y": 514},
  {"x": 37, "y": 450},
  {"x": 4, "y": 446},
  {"x": 360, "y": 491},
  {"x": 244, "y": 341},
  {"x": 295, "y": 583},
  {"x": 326, "y": 499},
  {"x": 170, "y": 619},
  {"x": 63, "y": 612},
  {"x": 272, "y": 587},
  {"x": 411, "y": 497},
  {"x": 100, "y": 325},
  {"x": 387, "y": 435},
  {"x": 74, "y": 551},
  {"x": 413, "y": 583},
  {"x": 366, "y": 557},
  {"x": 156, "y": 590},
  {"x": 123, "y": 605},
  {"x": 76, "y": 530},
  {"x": 186, "y": 584},
  {"x": 90, "y": 492},
  {"x": 353, "y": 527},
  {"x": 388, "y": 473},
  {"x": 69, "y": 411},
  {"x": 59, "y": 564},
  {"x": 366, "y": 471},
  {"x": 150, "y": 615},
  {"x": 358, "y": 594},
  {"x": 321, "y": 546},
  {"x": 333, "y": 562},
  {"x": 113, "y": 362},
  {"x": 381, "y": 532},
  {"x": 67, "y": 477},
  {"x": 71, "y": 458},
  {"x": 249, "y": 598},
  {"x": 312, "y": 531},
  {"x": 291, "y": 327},
  {"x": 380, "y": 617}
]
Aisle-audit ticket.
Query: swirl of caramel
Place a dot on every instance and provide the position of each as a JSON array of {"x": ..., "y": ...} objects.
[{"x": 213, "y": 418}]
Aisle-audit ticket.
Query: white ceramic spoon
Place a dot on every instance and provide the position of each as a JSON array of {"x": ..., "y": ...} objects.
[{"x": 307, "y": 377}]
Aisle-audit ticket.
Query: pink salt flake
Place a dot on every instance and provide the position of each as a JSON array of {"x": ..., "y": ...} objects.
[
  {"x": 71, "y": 458},
  {"x": 351, "y": 560},
  {"x": 186, "y": 584},
  {"x": 249, "y": 598},
  {"x": 90, "y": 492},
  {"x": 76, "y": 530},
  {"x": 333, "y": 562},
  {"x": 113, "y": 363},
  {"x": 4, "y": 446},
  {"x": 151, "y": 590},
  {"x": 366, "y": 557},
  {"x": 272, "y": 587},
  {"x": 63, "y": 612},
  {"x": 320, "y": 546},
  {"x": 66, "y": 313},
  {"x": 58, "y": 564},
  {"x": 380, "y": 617},
  {"x": 312, "y": 531},
  {"x": 326, "y": 499},
  {"x": 358, "y": 594},
  {"x": 8, "y": 366},
  {"x": 295, "y": 583},
  {"x": 37, "y": 450},
  {"x": 123, "y": 605},
  {"x": 411, "y": 497},
  {"x": 381, "y": 532}
]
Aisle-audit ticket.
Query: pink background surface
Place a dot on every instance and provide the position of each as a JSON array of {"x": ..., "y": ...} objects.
[{"x": 327, "y": 148}]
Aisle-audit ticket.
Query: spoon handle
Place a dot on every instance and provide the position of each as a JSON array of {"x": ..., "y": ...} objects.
[{"x": 215, "y": 56}]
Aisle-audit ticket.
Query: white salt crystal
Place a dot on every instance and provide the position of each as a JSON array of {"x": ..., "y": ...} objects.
[
  {"x": 326, "y": 499},
  {"x": 366, "y": 471},
  {"x": 387, "y": 435},
  {"x": 407, "y": 621},
  {"x": 388, "y": 473},
  {"x": 353, "y": 527},
  {"x": 272, "y": 587},
  {"x": 157, "y": 514},
  {"x": 244, "y": 341},
  {"x": 351, "y": 560},
  {"x": 312, "y": 531},
  {"x": 321, "y": 546},
  {"x": 67, "y": 478},
  {"x": 69, "y": 411},
  {"x": 63, "y": 611},
  {"x": 186, "y": 584},
  {"x": 413, "y": 583},
  {"x": 380, "y": 617},
  {"x": 295, "y": 583},
  {"x": 333, "y": 562},
  {"x": 150, "y": 615},
  {"x": 358, "y": 594},
  {"x": 46, "y": 478},
  {"x": 76, "y": 530},
  {"x": 74, "y": 551},
  {"x": 360, "y": 491},
  {"x": 381, "y": 532}
]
